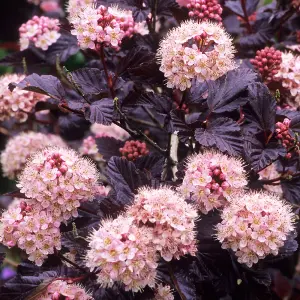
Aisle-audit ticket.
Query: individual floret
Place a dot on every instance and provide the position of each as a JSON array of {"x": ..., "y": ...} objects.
[
  {"x": 163, "y": 293},
  {"x": 255, "y": 225}
]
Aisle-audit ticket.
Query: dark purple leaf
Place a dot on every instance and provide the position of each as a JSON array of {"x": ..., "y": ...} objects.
[
  {"x": 100, "y": 111},
  {"x": 295, "y": 124},
  {"x": 291, "y": 190},
  {"x": 235, "y": 7},
  {"x": 152, "y": 163},
  {"x": 259, "y": 155},
  {"x": 65, "y": 47},
  {"x": 261, "y": 109},
  {"x": 90, "y": 80},
  {"x": 109, "y": 146},
  {"x": 222, "y": 133},
  {"x": 223, "y": 93},
  {"x": 44, "y": 84}
]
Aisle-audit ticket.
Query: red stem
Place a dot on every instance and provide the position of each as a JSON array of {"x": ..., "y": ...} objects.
[{"x": 246, "y": 19}]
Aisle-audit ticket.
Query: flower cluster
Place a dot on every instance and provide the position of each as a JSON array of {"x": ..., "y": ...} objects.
[
  {"x": 205, "y": 10},
  {"x": 74, "y": 7},
  {"x": 21, "y": 147},
  {"x": 283, "y": 134},
  {"x": 296, "y": 4},
  {"x": 42, "y": 31},
  {"x": 172, "y": 221},
  {"x": 195, "y": 50},
  {"x": 19, "y": 103},
  {"x": 124, "y": 253},
  {"x": 30, "y": 227},
  {"x": 255, "y": 225},
  {"x": 60, "y": 179},
  {"x": 133, "y": 150},
  {"x": 89, "y": 147},
  {"x": 211, "y": 178},
  {"x": 268, "y": 173},
  {"x": 59, "y": 289},
  {"x": 95, "y": 27},
  {"x": 112, "y": 130},
  {"x": 267, "y": 61},
  {"x": 289, "y": 75},
  {"x": 163, "y": 293}
]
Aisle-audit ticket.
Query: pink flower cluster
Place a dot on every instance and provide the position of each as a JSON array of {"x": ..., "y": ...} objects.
[
  {"x": 124, "y": 253},
  {"x": 21, "y": 147},
  {"x": 267, "y": 61},
  {"x": 289, "y": 75},
  {"x": 268, "y": 173},
  {"x": 60, "y": 179},
  {"x": 126, "y": 248},
  {"x": 95, "y": 27},
  {"x": 30, "y": 227},
  {"x": 19, "y": 103},
  {"x": 296, "y": 4},
  {"x": 163, "y": 293},
  {"x": 171, "y": 219},
  {"x": 89, "y": 147},
  {"x": 59, "y": 289},
  {"x": 42, "y": 31},
  {"x": 205, "y": 10},
  {"x": 255, "y": 225},
  {"x": 203, "y": 51},
  {"x": 211, "y": 178},
  {"x": 133, "y": 150},
  {"x": 112, "y": 130}
]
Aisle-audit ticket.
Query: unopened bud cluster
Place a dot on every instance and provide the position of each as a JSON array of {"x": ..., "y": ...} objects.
[
  {"x": 95, "y": 27},
  {"x": 18, "y": 103},
  {"x": 205, "y": 10},
  {"x": 133, "y": 150},
  {"x": 203, "y": 51},
  {"x": 59, "y": 289},
  {"x": 283, "y": 134},
  {"x": 211, "y": 178},
  {"x": 255, "y": 225},
  {"x": 30, "y": 227},
  {"x": 126, "y": 249},
  {"x": 42, "y": 31},
  {"x": 267, "y": 61},
  {"x": 21, "y": 147}
]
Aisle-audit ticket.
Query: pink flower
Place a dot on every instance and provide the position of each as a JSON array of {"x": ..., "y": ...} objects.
[
  {"x": 19, "y": 103},
  {"x": 211, "y": 178},
  {"x": 163, "y": 293},
  {"x": 42, "y": 31},
  {"x": 255, "y": 225},
  {"x": 59, "y": 176},
  {"x": 172, "y": 220},
  {"x": 183, "y": 54},
  {"x": 124, "y": 253},
  {"x": 112, "y": 130},
  {"x": 61, "y": 289},
  {"x": 100, "y": 26}
]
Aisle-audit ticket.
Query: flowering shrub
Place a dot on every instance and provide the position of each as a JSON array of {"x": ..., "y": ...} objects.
[
  {"x": 255, "y": 225},
  {"x": 181, "y": 174},
  {"x": 21, "y": 147}
]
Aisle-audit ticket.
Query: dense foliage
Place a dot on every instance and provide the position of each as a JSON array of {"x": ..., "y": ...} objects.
[{"x": 155, "y": 151}]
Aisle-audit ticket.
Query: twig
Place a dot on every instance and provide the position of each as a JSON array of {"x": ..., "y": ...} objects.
[
  {"x": 152, "y": 117},
  {"x": 10, "y": 262},
  {"x": 246, "y": 19},
  {"x": 70, "y": 262},
  {"x": 154, "y": 14},
  {"x": 182, "y": 296}
]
